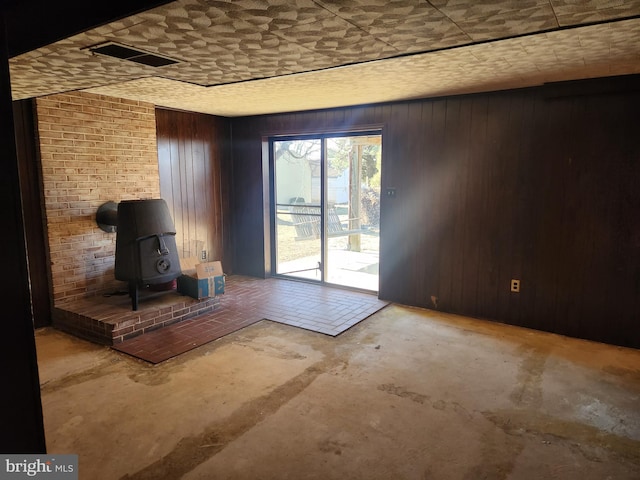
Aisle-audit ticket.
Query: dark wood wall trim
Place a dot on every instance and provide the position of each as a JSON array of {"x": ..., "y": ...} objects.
[
  {"x": 531, "y": 184},
  {"x": 195, "y": 181},
  {"x": 31, "y": 186}
]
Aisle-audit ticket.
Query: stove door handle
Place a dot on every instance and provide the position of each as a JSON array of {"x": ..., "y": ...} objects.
[{"x": 162, "y": 247}]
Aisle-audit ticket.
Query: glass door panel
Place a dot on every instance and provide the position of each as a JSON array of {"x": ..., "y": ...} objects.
[
  {"x": 352, "y": 210},
  {"x": 298, "y": 198}
]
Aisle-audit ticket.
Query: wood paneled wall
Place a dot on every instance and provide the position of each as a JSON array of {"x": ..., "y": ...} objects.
[
  {"x": 195, "y": 181},
  {"x": 32, "y": 206},
  {"x": 539, "y": 185}
]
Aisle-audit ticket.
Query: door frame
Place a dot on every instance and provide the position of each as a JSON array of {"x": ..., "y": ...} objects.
[{"x": 322, "y": 135}]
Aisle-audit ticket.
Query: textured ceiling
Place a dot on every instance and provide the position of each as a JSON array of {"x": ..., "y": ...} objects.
[{"x": 246, "y": 57}]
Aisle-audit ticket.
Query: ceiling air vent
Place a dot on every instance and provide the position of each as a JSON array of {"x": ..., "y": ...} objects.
[{"x": 123, "y": 52}]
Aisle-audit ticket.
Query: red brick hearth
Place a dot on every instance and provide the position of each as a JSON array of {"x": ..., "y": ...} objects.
[{"x": 110, "y": 320}]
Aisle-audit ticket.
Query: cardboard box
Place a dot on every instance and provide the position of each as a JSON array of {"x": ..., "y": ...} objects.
[{"x": 200, "y": 280}]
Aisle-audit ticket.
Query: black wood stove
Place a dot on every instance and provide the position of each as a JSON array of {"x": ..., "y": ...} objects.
[{"x": 146, "y": 252}]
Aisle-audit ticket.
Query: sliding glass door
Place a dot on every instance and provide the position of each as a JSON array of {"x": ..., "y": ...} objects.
[
  {"x": 298, "y": 209},
  {"x": 327, "y": 208}
]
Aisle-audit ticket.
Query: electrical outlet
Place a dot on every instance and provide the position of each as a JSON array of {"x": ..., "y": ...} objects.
[
  {"x": 515, "y": 285},
  {"x": 203, "y": 255}
]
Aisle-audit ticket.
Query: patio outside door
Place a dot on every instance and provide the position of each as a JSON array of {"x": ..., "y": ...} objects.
[{"x": 327, "y": 208}]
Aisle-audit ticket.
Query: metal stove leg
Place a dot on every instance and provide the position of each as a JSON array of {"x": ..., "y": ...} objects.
[{"x": 133, "y": 293}]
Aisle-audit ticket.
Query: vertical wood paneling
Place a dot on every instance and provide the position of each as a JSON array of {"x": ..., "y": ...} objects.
[
  {"x": 474, "y": 222},
  {"x": 462, "y": 190},
  {"x": 32, "y": 206},
  {"x": 572, "y": 222},
  {"x": 536, "y": 184},
  {"x": 394, "y": 216},
  {"x": 523, "y": 193},
  {"x": 248, "y": 202},
  {"x": 414, "y": 148},
  {"x": 194, "y": 180},
  {"x": 507, "y": 185},
  {"x": 424, "y": 285},
  {"x": 549, "y": 202},
  {"x": 184, "y": 162},
  {"x": 164, "y": 161},
  {"x": 446, "y": 214},
  {"x": 433, "y": 173}
]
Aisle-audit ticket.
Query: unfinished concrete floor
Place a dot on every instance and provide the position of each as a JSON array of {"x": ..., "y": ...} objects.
[{"x": 406, "y": 394}]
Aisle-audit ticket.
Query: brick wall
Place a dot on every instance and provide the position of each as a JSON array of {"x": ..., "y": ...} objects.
[{"x": 93, "y": 149}]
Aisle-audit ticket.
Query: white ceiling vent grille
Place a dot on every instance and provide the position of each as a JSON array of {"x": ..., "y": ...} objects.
[{"x": 123, "y": 52}]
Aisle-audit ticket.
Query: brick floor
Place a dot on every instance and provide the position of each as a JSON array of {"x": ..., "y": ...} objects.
[{"x": 248, "y": 300}]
